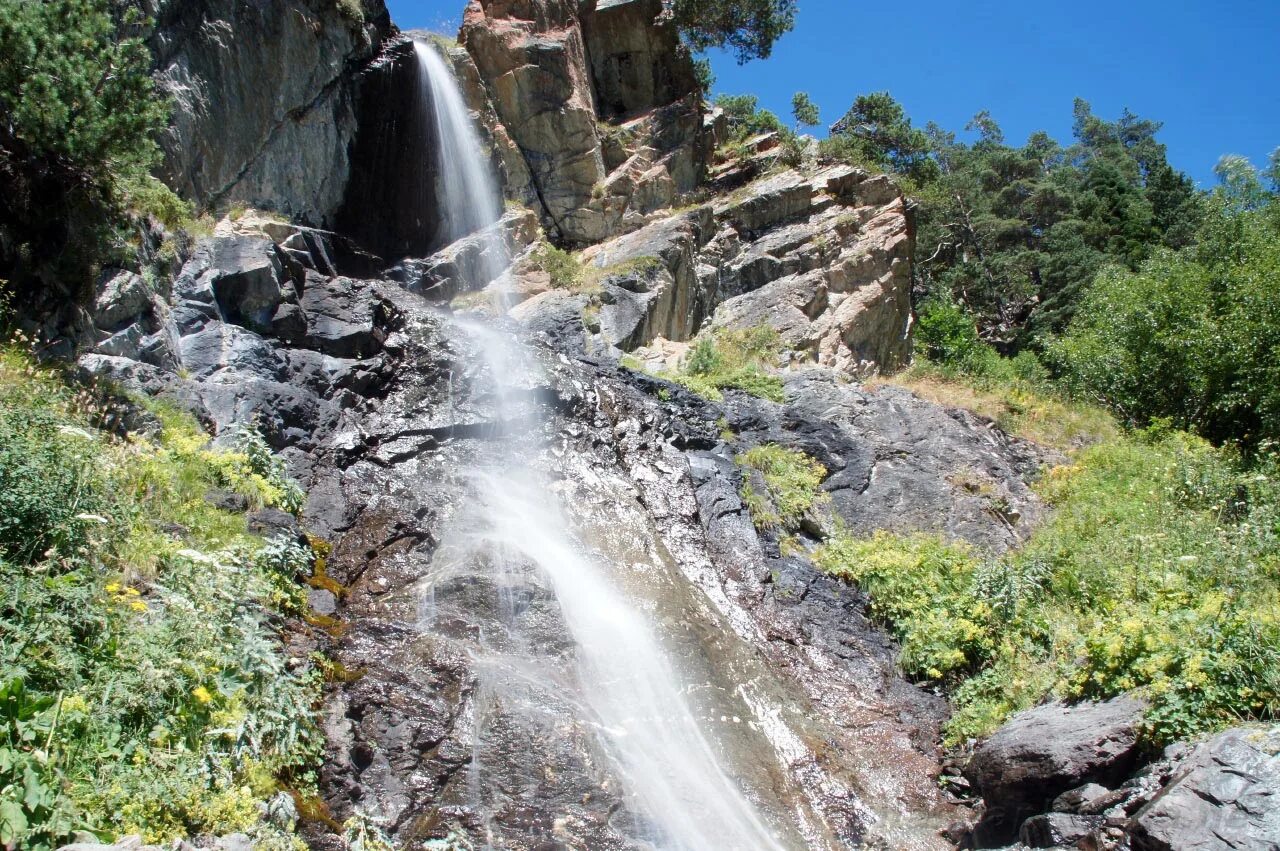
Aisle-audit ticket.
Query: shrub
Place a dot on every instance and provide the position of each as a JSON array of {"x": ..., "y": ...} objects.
[
  {"x": 732, "y": 360},
  {"x": 1156, "y": 573},
  {"x": 78, "y": 143},
  {"x": 1193, "y": 336},
  {"x": 792, "y": 480},
  {"x": 562, "y": 266},
  {"x": 142, "y": 688}
]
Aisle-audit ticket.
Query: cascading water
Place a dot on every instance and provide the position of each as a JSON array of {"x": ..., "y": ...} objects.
[{"x": 616, "y": 674}]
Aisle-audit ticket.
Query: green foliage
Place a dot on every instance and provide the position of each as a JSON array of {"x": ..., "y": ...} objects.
[
  {"x": 877, "y": 131},
  {"x": 922, "y": 587},
  {"x": 78, "y": 141},
  {"x": 733, "y": 360},
  {"x": 142, "y": 688},
  {"x": 561, "y": 265},
  {"x": 747, "y": 27},
  {"x": 791, "y": 480},
  {"x": 1015, "y": 234},
  {"x": 1157, "y": 572},
  {"x": 745, "y": 118},
  {"x": 1192, "y": 336},
  {"x": 804, "y": 110}
]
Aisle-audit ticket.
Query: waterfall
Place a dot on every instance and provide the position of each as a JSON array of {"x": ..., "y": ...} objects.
[{"x": 616, "y": 671}]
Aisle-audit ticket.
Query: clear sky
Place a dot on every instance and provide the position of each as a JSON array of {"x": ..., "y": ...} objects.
[{"x": 1208, "y": 69}]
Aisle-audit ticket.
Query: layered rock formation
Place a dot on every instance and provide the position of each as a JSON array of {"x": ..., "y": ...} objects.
[{"x": 600, "y": 101}]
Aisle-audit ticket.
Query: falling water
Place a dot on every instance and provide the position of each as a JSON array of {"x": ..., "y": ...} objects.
[{"x": 627, "y": 687}]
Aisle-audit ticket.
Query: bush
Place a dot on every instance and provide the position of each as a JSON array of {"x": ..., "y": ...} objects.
[
  {"x": 77, "y": 145},
  {"x": 1156, "y": 573},
  {"x": 732, "y": 360},
  {"x": 792, "y": 480},
  {"x": 562, "y": 266},
  {"x": 142, "y": 687},
  {"x": 1194, "y": 336}
]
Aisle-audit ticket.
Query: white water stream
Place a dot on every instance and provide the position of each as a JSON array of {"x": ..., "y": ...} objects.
[{"x": 628, "y": 688}]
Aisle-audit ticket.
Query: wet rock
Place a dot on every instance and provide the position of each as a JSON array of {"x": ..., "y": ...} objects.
[
  {"x": 1224, "y": 796},
  {"x": 1041, "y": 753},
  {"x": 345, "y": 317},
  {"x": 1053, "y": 830}
]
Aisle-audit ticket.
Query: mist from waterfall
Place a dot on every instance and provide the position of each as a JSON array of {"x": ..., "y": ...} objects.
[{"x": 625, "y": 684}]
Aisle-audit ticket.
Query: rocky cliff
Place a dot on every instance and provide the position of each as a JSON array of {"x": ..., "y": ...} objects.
[
  {"x": 265, "y": 99},
  {"x": 360, "y": 370}
]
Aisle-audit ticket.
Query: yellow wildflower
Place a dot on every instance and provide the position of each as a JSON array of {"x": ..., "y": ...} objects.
[{"x": 201, "y": 694}]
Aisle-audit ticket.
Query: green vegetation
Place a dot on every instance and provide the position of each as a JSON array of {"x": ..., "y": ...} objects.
[
  {"x": 804, "y": 110},
  {"x": 561, "y": 265},
  {"x": 791, "y": 480},
  {"x": 78, "y": 141},
  {"x": 1015, "y": 234},
  {"x": 1156, "y": 572},
  {"x": 747, "y": 27},
  {"x": 955, "y": 367},
  {"x": 142, "y": 685},
  {"x": 746, "y": 119},
  {"x": 1193, "y": 336},
  {"x": 732, "y": 360}
]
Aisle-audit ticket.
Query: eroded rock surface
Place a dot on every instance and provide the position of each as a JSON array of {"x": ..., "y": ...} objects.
[{"x": 264, "y": 119}]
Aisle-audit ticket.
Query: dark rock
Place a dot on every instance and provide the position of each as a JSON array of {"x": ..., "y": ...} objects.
[
  {"x": 122, "y": 296},
  {"x": 345, "y": 317},
  {"x": 1041, "y": 753},
  {"x": 636, "y": 59},
  {"x": 227, "y": 500},
  {"x": 266, "y": 121},
  {"x": 247, "y": 281},
  {"x": 1080, "y": 799},
  {"x": 1225, "y": 796},
  {"x": 1052, "y": 830},
  {"x": 274, "y": 523}
]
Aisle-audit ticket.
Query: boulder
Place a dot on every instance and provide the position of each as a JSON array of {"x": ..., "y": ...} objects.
[
  {"x": 345, "y": 317},
  {"x": 1225, "y": 797},
  {"x": 248, "y": 282},
  {"x": 121, "y": 297},
  {"x": 1043, "y": 752},
  {"x": 1053, "y": 830}
]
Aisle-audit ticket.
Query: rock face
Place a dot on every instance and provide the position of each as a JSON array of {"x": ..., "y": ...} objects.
[
  {"x": 1224, "y": 796},
  {"x": 1043, "y": 752},
  {"x": 265, "y": 120},
  {"x": 257, "y": 326},
  {"x": 553, "y": 74},
  {"x": 825, "y": 259}
]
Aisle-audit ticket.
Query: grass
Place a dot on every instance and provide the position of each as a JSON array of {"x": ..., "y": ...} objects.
[
  {"x": 142, "y": 686},
  {"x": 1021, "y": 407},
  {"x": 1157, "y": 573},
  {"x": 732, "y": 360},
  {"x": 791, "y": 485}
]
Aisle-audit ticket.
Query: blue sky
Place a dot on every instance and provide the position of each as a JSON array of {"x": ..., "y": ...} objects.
[{"x": 1208, "y": 69}]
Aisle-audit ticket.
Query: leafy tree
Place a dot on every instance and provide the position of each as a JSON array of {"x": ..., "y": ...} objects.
[
  {"x": 1193, "y": 336},
  {"x": 877, "y": 131},
  {"x": 804, "y": 110},
  {"x": 80, "y": 114},
  {"x": 747, "y": 27}
]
